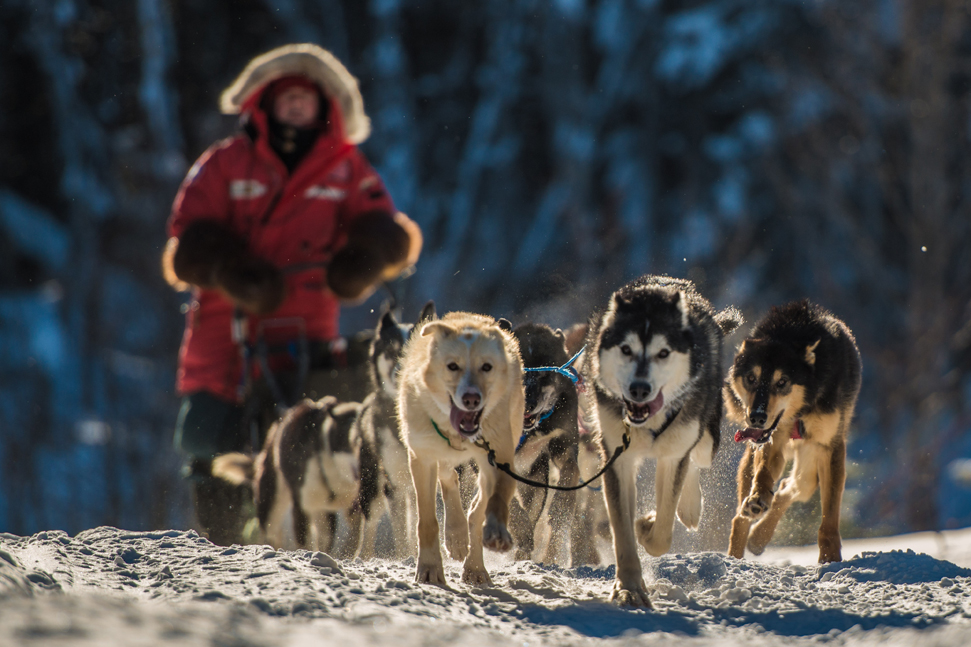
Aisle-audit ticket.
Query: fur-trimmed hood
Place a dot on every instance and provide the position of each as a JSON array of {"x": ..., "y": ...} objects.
[{"x": 318, "y": 65}]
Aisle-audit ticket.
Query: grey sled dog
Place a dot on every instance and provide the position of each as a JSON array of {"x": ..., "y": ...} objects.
[{"x": 654, "y": 361}]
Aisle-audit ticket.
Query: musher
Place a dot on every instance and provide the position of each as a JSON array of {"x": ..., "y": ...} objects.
[{"x": 271, "y": 229}]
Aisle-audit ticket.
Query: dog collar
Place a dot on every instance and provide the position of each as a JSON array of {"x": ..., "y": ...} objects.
[
  {"x": 798, "y": 430},
  {"x": 439, "y": 432}
]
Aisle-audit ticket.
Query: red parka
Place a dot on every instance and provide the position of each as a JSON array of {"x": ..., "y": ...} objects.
[{"x": 289, "y": 220}]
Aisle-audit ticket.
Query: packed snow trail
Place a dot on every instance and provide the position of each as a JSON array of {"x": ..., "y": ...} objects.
[{"x": 111, "y": 587}]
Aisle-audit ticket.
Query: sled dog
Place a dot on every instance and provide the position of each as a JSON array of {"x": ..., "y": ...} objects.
[
  {"x": 309, "y": 466},
  {"x": 653, "y": 360},
  {"x": 793, "y": 387},
  {"x": 385, "y": 478},
  {"x": 461, "y": 387},
  {"x": 549, "y": 442}
]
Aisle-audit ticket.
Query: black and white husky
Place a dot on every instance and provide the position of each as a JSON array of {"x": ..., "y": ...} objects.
[
  {"x": 654, "y": 361},
  {"x": 549, "y": 444},
  {"x": 308, "y": 467},
  {"x": 385, "y": 476}
]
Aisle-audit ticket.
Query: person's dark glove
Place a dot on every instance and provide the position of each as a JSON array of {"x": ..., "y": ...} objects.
[
  {"x": 211, "y": 256},
  {"x": 379, "y": 247}
]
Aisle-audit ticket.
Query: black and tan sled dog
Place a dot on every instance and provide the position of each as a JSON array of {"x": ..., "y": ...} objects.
[
  {"x": 548, "y": 448},
  {"x": 654, "y": 360},
  {"x": 793, "y": 387}
]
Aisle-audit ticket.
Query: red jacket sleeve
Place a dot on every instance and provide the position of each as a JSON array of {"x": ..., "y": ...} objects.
[{"x": 204, "y": 192}]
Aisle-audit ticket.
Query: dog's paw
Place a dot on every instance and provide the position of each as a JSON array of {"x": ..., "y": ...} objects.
[
  {"x": 457, "y": 544},
  {"x": 755, "y": 506},
  {"x": 430, "y": 573},
  {"x": 645, "y": 529},
  {"x": 495, "y": 536},
  {"x": 476, "y": 576},
  {"x": 829, "y": 549},
  {"x": 630, "y": 596}
]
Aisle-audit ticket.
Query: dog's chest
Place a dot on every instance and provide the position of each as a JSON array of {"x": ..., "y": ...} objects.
[{"x": 653, "y": 440}]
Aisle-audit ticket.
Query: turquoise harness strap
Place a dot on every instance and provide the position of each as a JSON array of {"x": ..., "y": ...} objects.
[{"x": 566, "y": 370}]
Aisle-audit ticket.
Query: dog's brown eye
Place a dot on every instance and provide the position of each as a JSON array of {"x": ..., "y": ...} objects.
[
  {"x": 783, "y": 383},
  {"x": 625, "y": 349},
  {"x": 664, "y": 353},
  {"x": 487, "y": 367},
  {"x": 452, "y": 366},
  {"x": 750, "y": 378}
]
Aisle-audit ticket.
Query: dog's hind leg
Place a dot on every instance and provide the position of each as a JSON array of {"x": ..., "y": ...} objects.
[
  {"x": 324, "y": 530},
  {"x": 832, "y": 480},
  {"x": 741, "y": 524},
  {"x": 620, "y": 494},
  {"x": 655, "y": 531},
  {"x": 352, "y": 543},
  {"x": 456, "y": 523},
  {"x": 521, "y": 530}
]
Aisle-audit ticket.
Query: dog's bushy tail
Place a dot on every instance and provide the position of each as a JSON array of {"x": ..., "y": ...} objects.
[
  {"x": 235, "y": 468},
  {"x": 729, "y": 320}
]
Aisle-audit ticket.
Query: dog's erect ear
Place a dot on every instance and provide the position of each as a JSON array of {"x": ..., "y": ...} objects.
[
  {"x": 620, "y": 302},
  {"x": 811, "y": 353},
  {"x": 504, "y": 324},
  {"x": 428, "y": 312},
  {"x": 432, "y": 327},
  {"x": 388, "y": 327}
]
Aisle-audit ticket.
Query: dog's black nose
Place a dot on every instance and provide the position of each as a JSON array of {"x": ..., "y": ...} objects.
[
  {"x": 639, "y": 391},
  {"x": 758, "y": 418},
  {"x": 471, "y": 400}
]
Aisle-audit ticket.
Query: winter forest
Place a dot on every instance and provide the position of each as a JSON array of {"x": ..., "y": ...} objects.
[{"x": 550, "y": 151}]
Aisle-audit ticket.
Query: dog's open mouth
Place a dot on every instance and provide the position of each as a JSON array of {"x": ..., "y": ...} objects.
[
  {"x": 757, "y": 435},
  {"x": 465, "y": 422},
  {"x": 639, "y": 412}
]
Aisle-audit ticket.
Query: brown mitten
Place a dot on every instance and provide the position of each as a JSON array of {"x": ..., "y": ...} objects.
[
  {"x": 379, "y": 247},
  {"x": 212, "y": 256},
  {"x": 251, "y": 283}
]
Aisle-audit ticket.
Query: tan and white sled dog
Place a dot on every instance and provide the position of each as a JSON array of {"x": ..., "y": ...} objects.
[
  {"x": 461, "y": 384},
  {"x": 793, "y": 386}
]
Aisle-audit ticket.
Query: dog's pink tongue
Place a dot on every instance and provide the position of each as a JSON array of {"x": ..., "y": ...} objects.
[
  {"x": 655, "y": 405},
  {"x": 752, "y": 433},
  {"x": 464, "y": 422}
]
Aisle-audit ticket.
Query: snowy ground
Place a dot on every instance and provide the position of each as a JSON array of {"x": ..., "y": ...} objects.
[{"x": 112, "y": 587}]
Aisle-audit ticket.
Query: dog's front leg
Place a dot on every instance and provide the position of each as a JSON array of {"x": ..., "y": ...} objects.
[
  {"x": 425, "y": 477},
  {"x": 832, "y": 480},
  {"x": 770, "y": 466},
  {"x": 742, "y": 524},
  {"x": 798, "y": 486},
  {"x": 474, "y": 571},
  {"x": 456, "y": 523},
  {"x": 562, "y": 509},
  {"x": 620, "y": 493},
  {"x": 655, "y": 530}
]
